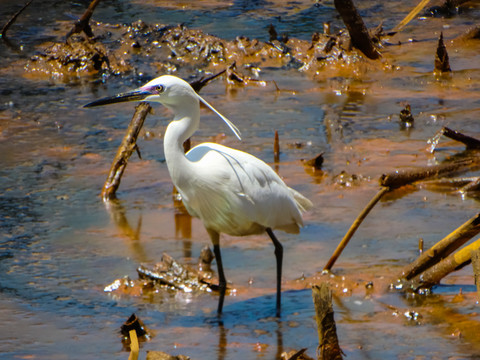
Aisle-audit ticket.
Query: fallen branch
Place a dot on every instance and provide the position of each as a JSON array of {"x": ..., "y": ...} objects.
[
  {"x": 453, "y": 262},
  {"x": 401, "y": 178},
  {"x": 356, "y": 28},
  {"x": 328, "y": 348},
  {"x": 443, "y": 248},
  {"x": 129, "y": 144}
]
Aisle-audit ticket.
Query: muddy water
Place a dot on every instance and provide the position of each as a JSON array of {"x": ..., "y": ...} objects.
[{"x": 60, "y": 245}]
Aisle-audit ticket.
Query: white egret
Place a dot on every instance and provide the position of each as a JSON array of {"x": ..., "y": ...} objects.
[{"x": 232, "y": 192}]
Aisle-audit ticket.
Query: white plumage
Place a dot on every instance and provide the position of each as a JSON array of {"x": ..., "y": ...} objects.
[{"x": 231, "y": 191}]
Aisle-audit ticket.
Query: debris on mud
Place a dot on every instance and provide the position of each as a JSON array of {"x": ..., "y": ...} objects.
[
  {"x": 78, "y": 56},
  {"x": 167, "y": 48},
  {"x": 168, "y": 274}
]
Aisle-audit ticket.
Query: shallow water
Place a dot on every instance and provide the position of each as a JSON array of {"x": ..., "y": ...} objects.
[{"x": 60, "y": 245}]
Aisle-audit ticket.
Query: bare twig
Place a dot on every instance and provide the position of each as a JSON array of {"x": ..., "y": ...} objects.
[
  {"x": 329, "y": 349},
  {"x": 354, "y": 228},
  {"x": 12, "y": 20}
]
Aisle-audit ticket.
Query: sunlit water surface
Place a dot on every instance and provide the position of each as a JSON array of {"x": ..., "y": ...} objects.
[{"x": 61, "y": 245}]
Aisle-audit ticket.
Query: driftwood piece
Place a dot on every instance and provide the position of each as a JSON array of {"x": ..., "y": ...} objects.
[
  {"x": 442, "y": 63},
  {"x": 443, "y": 248},
  {"x": 12, "y": 20},
  {"x": 470, "y": 142},
  {"x": 437, "y": 272},
  {"x": 476, "y": 269},
  {"x": 83, "y": 23},
  {"x": 354, "y": 227},
  {"x": 401, "y": 178},
  {"x": 356, "y": 28},
  {"x": 129, "y": 144},
  {"x": 328, "y": 348}
]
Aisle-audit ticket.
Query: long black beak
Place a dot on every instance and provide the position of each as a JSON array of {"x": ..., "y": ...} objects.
[{"x": 136, "y": 95}]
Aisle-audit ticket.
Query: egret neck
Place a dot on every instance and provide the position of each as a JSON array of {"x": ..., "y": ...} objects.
[{"x": 185, "y": 123}]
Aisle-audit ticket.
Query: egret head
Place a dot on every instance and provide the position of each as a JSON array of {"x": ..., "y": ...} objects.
[{"x": 168, "y": 90}]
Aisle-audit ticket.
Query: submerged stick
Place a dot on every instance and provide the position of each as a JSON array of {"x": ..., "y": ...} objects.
[
  {"x": 356, "y": 28},
  {"x": 12, "y": 20},
  {"x": 454, "y": 262},
  {"x": 443, "y": 248},
  {"x": 128, "y": 146},
  {"x": 328, "y": 348},
  {"x": 83, "y": 23},
  {"x": 354, "y": 228}
]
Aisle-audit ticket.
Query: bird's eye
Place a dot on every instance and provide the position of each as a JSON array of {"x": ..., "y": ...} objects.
[{"x": 159, "y": 89}]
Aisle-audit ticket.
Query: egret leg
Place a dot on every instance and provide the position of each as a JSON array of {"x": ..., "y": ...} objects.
[
  {"x": 279, "y": 257},
  {"x": 222, "y": 282}
]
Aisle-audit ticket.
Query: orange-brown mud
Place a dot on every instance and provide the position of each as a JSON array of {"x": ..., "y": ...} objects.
[{"x": 60, "y": 245}]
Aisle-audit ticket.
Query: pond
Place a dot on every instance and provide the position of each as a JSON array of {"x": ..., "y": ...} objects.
[{"x": 61, "y": 245}]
